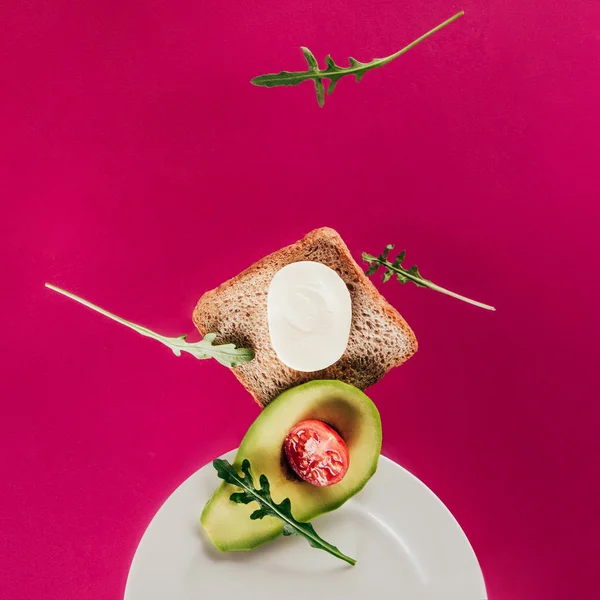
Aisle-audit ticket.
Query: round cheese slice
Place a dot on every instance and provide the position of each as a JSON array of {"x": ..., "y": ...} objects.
[{"x": 310, "y": 314}]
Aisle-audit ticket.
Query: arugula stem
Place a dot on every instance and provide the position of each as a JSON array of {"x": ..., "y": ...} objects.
[
  {"x": 426, "y": 283},
  {"x": 380, "y": 62},
  {"x": 423, "y": 37},
  {"x": 437, "y": 288},
  {"x": 272, "y": 506},
  {"x": 138, "y": 328}
]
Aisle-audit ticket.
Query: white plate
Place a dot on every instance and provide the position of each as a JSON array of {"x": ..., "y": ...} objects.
[{"x": 406, "y": 543}]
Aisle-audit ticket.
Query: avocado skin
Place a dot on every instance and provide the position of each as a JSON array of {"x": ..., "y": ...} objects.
[{"x": 345, "y": 408}]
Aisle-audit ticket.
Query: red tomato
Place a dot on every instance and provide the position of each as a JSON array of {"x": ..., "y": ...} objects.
[{"x": 316, "y": 453}]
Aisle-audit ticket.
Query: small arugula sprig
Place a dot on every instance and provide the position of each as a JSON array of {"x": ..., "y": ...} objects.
[
  {"x": 334, "y": 72},
  {"x": 226, "y": 354},
  {"x": 269, "y": 508},
  {"x": 403, "y": 275}
]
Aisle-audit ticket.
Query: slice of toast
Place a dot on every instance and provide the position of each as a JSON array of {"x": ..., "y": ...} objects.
[{"x": 236, "y": 311}]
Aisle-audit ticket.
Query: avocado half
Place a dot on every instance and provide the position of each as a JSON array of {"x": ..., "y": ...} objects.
[{"x": 345, "y": 408}]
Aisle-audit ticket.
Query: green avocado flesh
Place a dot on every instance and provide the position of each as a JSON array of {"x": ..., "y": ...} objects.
[{"x": 345, "y": 408}]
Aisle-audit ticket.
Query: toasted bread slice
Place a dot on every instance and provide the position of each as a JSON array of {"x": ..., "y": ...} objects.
[{"x": 236, "y": 311}]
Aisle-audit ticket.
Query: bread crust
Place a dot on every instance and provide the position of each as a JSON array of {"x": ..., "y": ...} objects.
[{"x": 380, "y": 338}]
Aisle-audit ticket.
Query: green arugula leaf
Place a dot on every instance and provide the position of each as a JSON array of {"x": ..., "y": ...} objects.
[
  {"x": 403, "y": 275},
  {"x": 334, "y": 72},
  {"x": 269, "y": 508},
  {"x": 226, "y": 354}
]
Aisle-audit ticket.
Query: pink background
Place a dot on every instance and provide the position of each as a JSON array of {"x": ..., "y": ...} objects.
[{"x": 140, "y": 168}]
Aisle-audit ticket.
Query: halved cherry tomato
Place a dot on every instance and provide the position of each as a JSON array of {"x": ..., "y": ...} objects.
[{"x": 316, "y": 453}]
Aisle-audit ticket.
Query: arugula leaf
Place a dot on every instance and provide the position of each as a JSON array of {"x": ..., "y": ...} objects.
[
  {"x": 226, "y": 354},
  {"x": 334, "y": 72},
  {"x": 403, "y": 275},
  {"x": 269, "y": 508}
]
